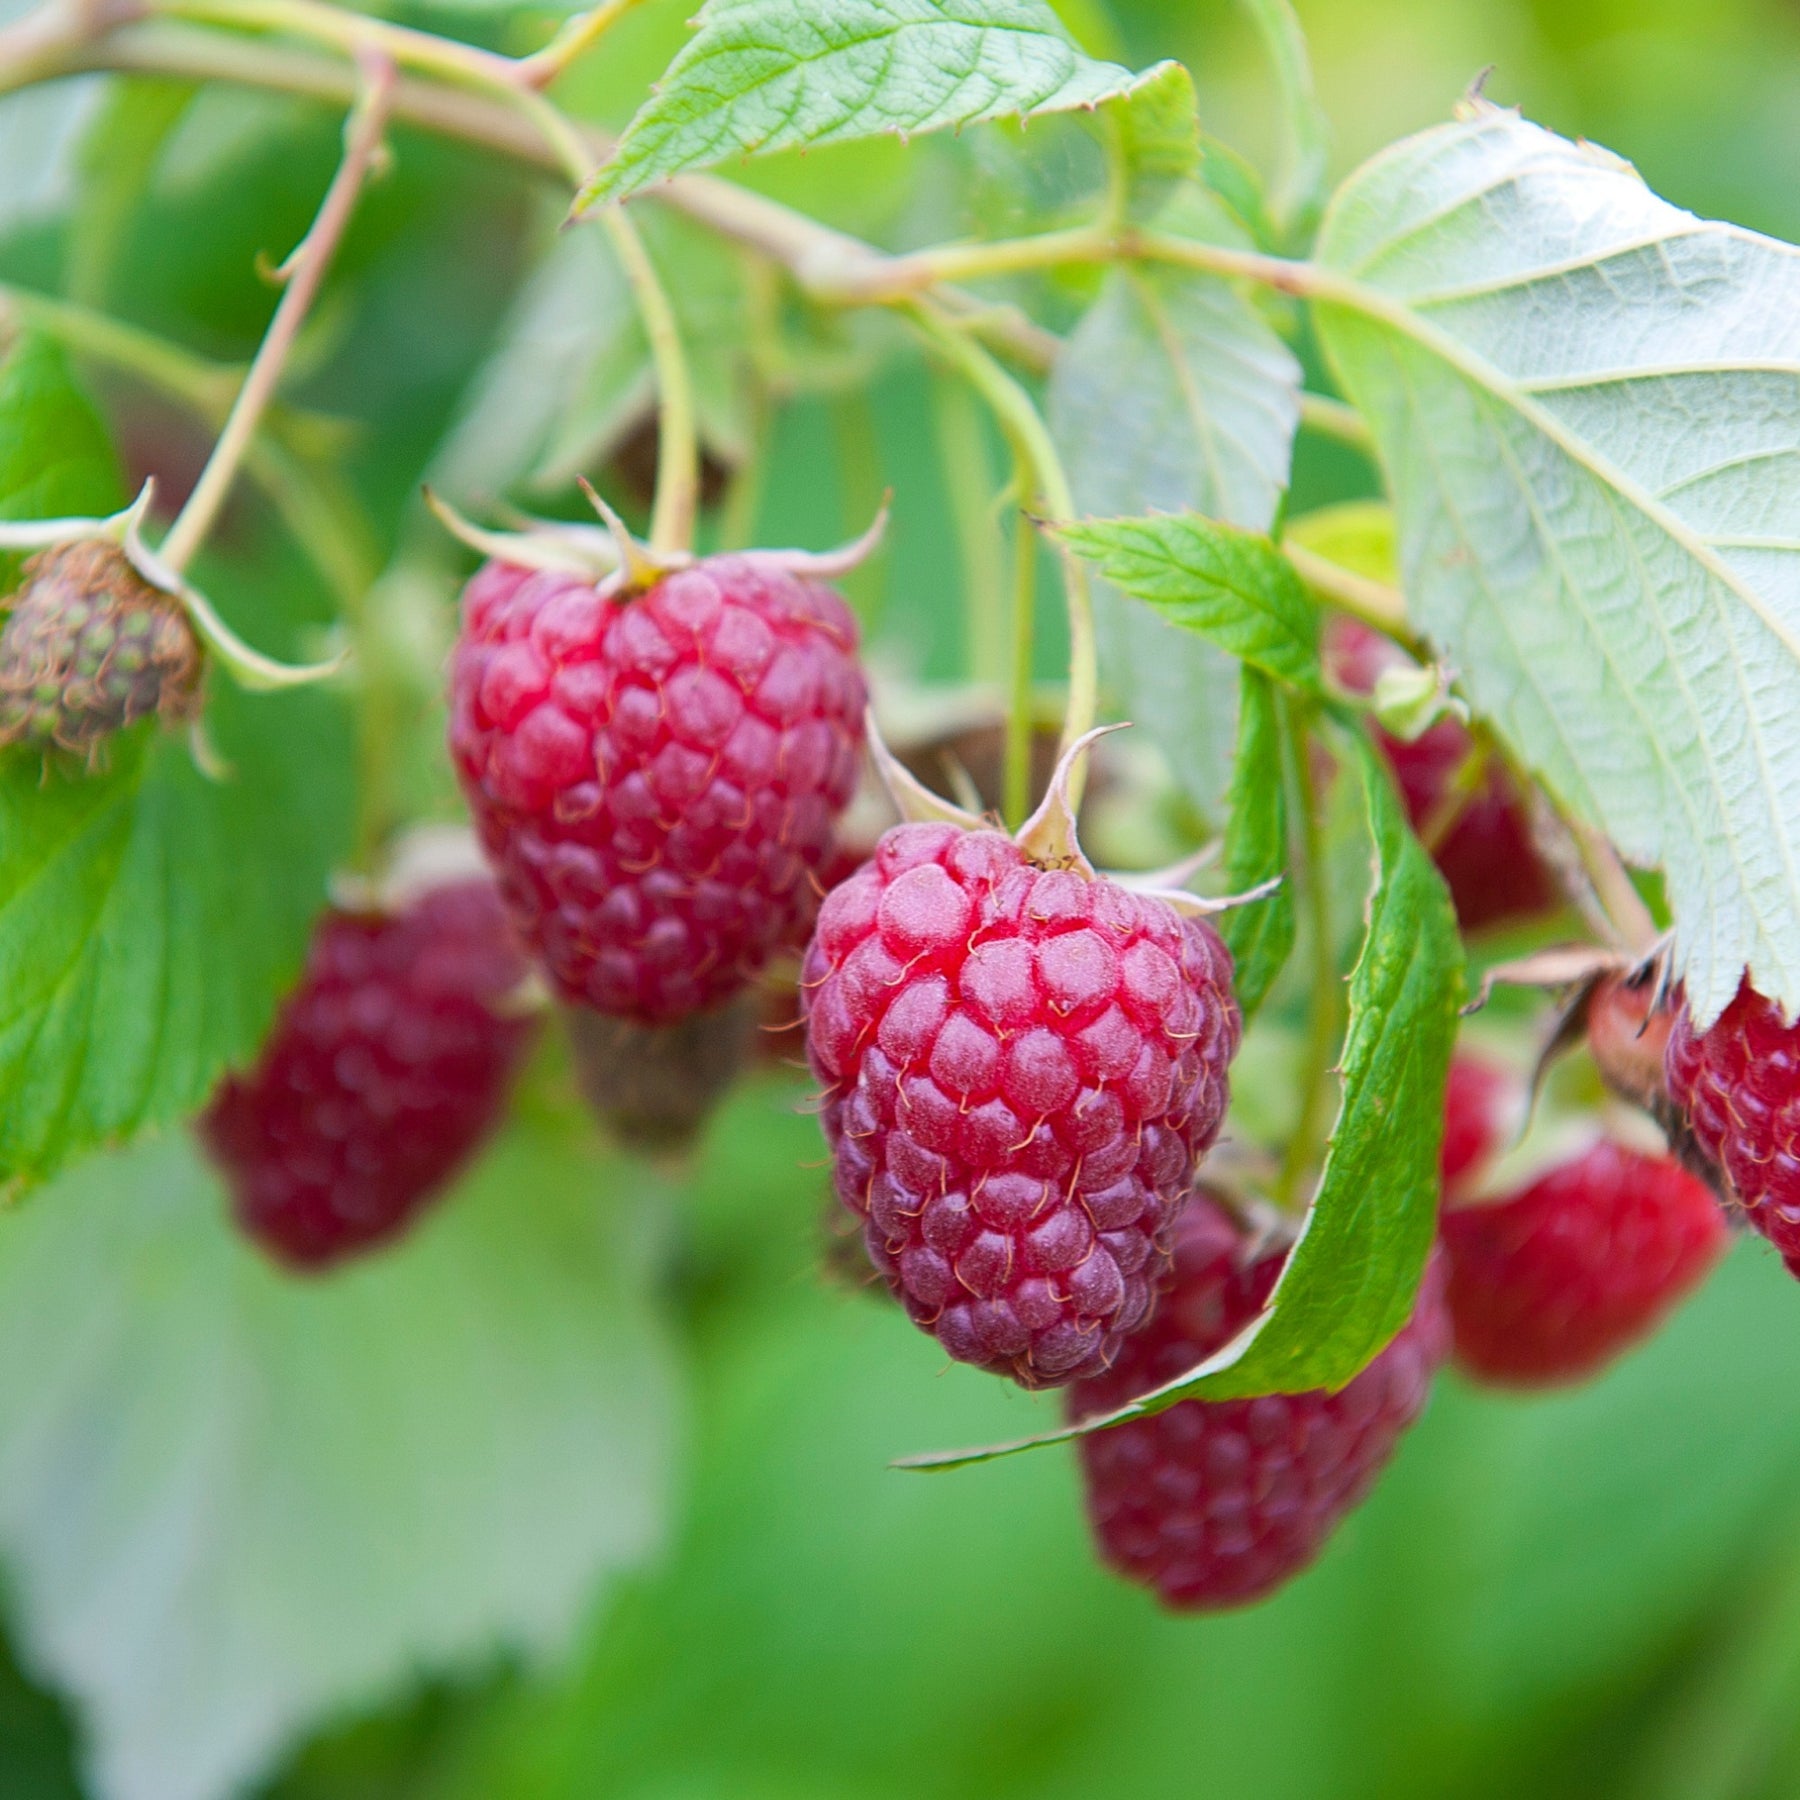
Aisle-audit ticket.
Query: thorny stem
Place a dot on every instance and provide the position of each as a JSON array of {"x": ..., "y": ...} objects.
[
  {"x": 1624, "y": 905},
  {"x": 1016, "y": 772},
  {"x": 304, "y": 271},
  {"x": 673, "y": 511},
  {"x": 1322, "y": 1016},
  {"x": 1044, "y": 490}
]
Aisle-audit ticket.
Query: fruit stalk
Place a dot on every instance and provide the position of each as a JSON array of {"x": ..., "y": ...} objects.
[{"x": 304, "y": 271}]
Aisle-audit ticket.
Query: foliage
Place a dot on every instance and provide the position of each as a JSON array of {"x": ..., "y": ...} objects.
[{"x": 238, "y": 1507}]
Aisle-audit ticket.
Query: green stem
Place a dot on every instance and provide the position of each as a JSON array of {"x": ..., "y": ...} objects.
[
  {"x": 305, "y": 270},
  {"x": 1325, "y": 1005},
  {"x": 676, "y": 505},
  {"x": 1381, "y": 607},
  {"x": 969, "y": 486},
  {"x": 579, "y": 35},
  {"x": 204, "y": 386},
  {"x": 861, "y": 489},
  {"x": 1045, "y": 491},
  {"x": 1334, "y": 419},
  {"x": 1016, "y": 784}
]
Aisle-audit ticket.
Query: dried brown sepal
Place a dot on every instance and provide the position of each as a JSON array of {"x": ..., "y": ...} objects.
[
  {"x": 653, "y": 1087},
  {"x": 89, "y": 647}
]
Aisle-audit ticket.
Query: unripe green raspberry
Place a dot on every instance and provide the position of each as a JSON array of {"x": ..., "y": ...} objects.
[{"x": 90, "y": 647}]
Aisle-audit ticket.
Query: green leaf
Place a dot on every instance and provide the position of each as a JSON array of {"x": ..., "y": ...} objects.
[
  {"x": 762, "y": 75},
  {"x": 1233, "y": 587},
  {"x": 55, "y": 458},
  {"x": 1350, "y": 1281},
  {"x": 150, "y": 917},
  {"x": 1173, "y": 394},
  {"x": 1154, "y": 139},
  {"x": 233, "y": 1502},
  {"x": 1584, "y": 399},
  {"x": 1260, "y": 933}
]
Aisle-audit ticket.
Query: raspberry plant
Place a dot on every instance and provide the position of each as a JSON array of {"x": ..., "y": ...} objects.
[{"x": 1536, "y": 684}]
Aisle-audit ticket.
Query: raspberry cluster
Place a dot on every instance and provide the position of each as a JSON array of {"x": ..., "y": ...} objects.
[
  {"x": 1021, "y": 1067},
  {"x": 1214, "y": 1503},
  {"x": 388, "y": 1066},
  {"x": 656, "y": 776}
]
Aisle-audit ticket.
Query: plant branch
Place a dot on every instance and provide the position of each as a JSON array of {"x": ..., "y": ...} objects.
[
  {"x": 1381, "y": 607},
  {"x": 1335, "y": 419},
  {"x": 577, "y": 36},
  {"x": 304, "y": 270}
]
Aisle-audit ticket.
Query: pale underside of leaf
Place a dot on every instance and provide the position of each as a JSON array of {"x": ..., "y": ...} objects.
[
  {"x": 1173, "y": 394},
  {"x": 764, "y": 75},
  {"x": 1588, "y": 404},
  {"x": 232, "y": 1502}
]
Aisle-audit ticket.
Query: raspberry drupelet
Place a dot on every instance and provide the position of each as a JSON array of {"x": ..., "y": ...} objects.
[
  {"x": 1021, "y": 1067},
  {"x": 387, "y": 1068},
  {"x": 655, "y": 776},
  {"x": 1214, "y": 1503}
]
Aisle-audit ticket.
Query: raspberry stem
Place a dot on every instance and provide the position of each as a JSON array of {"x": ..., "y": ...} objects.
[
  {"x": 1045, "y": 496},
  {"x": 304, "y": 271},
  {"x": 1016, "y": 780},
  {"x": 1306, "y": 1140},
  {"x": 673, "y": 509}
]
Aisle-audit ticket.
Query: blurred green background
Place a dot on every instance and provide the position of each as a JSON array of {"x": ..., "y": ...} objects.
[{"x": 1594, "y": 1595}]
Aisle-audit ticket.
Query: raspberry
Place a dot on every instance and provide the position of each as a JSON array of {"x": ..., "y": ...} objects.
[
  {"x": 1487, "y": 857},
  {"x": 387, "y": 1067},
  {"x": 1552, "y": 1283},
  {"x": 1738, "y": 1084},
  {"x": 90, "y": 647},
  {"x": 1629, "y": 1040},
  {"x": 656, "y": 777},
  {"x": 1477, "y": 1107},
  {"x": 1021, "y": 1067},
  {"x": 1214, "y": 1503}
]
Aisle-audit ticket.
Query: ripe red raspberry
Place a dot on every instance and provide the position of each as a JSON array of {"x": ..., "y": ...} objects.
[
  {"x": 1551, "y": 1284},
  {"x": 1738, "y": 1084},
  {"x": 1214, "y": 1503},
  {"x": 387, "y": 1067},
  {"x": 1487, "y": 857},
  {"x": 1021, "y": 1066},
  {"x": 656, "y": 776},
  {"x": 1478, "y": 1106}
]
